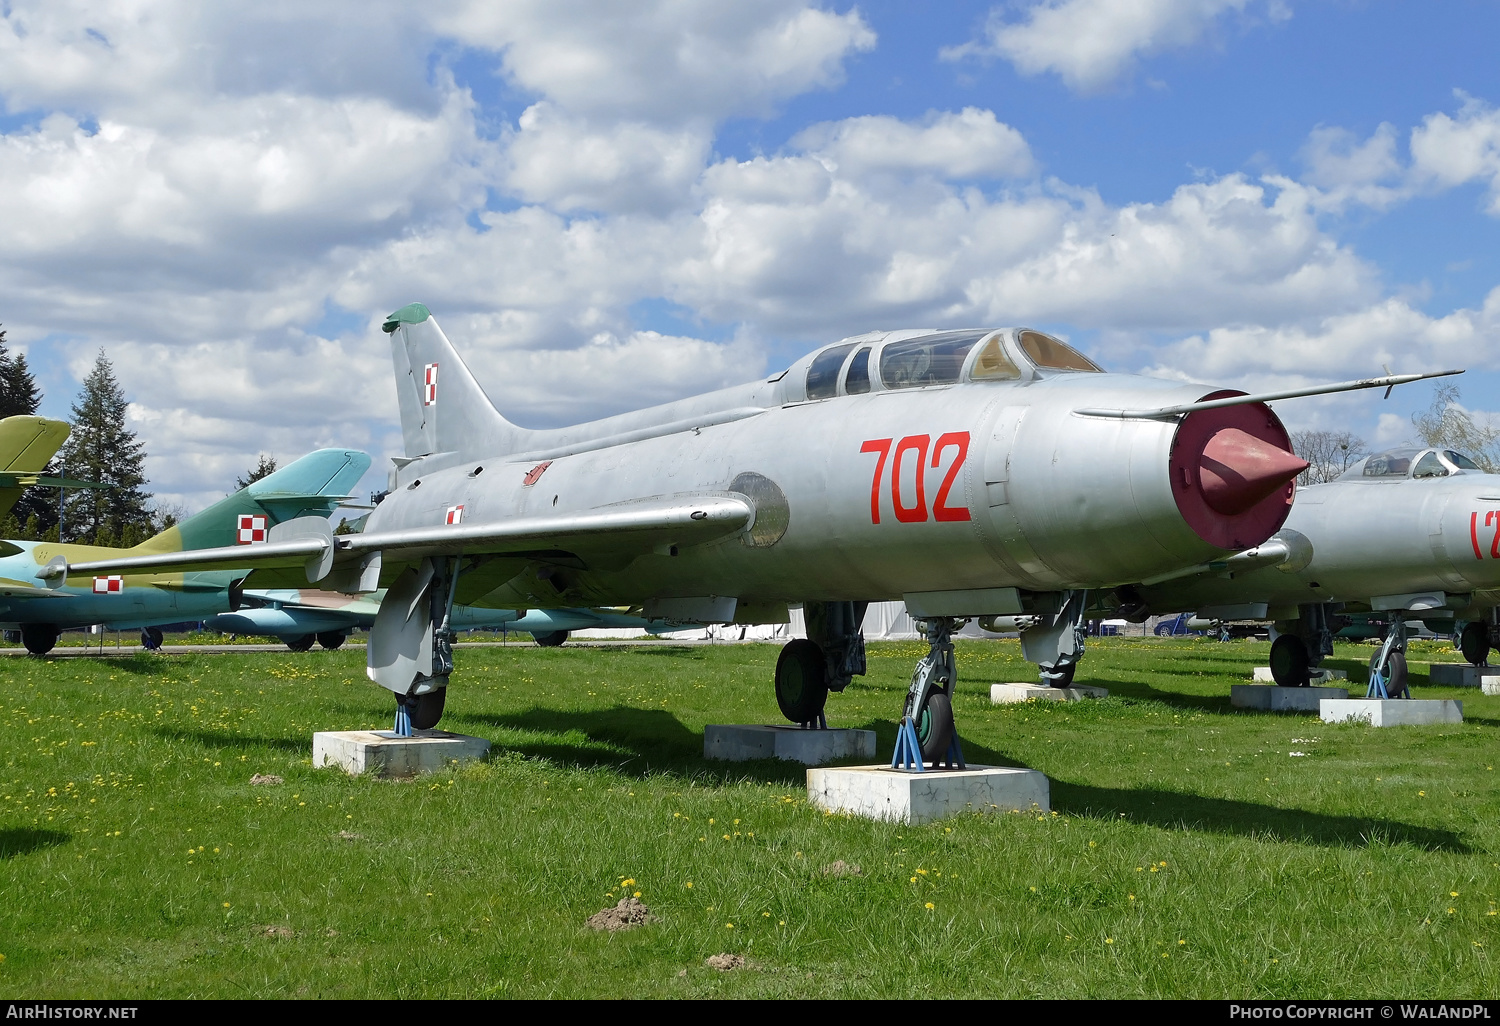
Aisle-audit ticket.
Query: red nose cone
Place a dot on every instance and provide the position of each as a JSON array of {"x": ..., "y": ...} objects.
[{"x": 1238, "y": 470}]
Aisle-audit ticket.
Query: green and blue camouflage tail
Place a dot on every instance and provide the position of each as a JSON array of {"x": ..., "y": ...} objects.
[{"x": 312, "y": 486}]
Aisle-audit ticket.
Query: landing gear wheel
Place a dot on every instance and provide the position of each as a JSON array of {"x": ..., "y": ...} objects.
[
  {"x": 428, "y": 709},
  {"x": 1289, "y": 662},
  {"x": 331, "y": 639},
  {"x": 801, "y": 682},
  {"x": 934, "y": 723},
  {"x": 1064, "y": 678},
  {"x": 550, "y": 639},
  {"x": 151, "y": 638},
  {"x": 1474, "y": 642},
  {"x": 301, "y": 643},
  {"x": 38, "y": 637},
  {"x": 1396, "y": 676}
]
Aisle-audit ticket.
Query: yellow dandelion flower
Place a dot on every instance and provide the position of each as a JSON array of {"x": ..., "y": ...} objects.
[
  {"x": 1092, "y": 844},
  {"x": 226, "y": 904},
  {"x": 1451, "y": 894},
  {"x": 637, "y": 894},
  {"x": 1180, "y": 941},
  {"x": 729, "y": 926},
  {"x": 1109, "y": 940},
  {"x": 931, "y": 905},
  {"x": 689, "y": 885}
]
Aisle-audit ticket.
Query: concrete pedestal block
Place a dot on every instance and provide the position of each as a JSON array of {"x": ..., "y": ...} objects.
[
  {"x": 1462, "y": 675},
  {"x": 1490, "y": 686},
  {"x": 1262, "y": 675},
  {"x": 1392, "y": 712},
  {"x": 734, "y": 742},
  {"x": 1275, "y": 699},
  {"x": 385, "y": 755},
  {"x": 879, "y": 792},
  {"x": 1007, "y": 694}
]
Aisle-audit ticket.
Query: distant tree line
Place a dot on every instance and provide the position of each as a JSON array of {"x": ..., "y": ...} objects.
[{"x": 1443, "y": 425}]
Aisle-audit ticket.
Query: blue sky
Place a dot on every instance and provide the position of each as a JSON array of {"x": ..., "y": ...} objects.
[{"x": 608, "y": 209}]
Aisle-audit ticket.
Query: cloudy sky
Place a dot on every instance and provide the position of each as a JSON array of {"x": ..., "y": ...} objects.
[{"x": 609, "y": 205}]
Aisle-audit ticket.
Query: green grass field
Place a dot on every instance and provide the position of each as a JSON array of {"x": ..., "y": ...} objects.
[{"x": 1188, "y": 853}]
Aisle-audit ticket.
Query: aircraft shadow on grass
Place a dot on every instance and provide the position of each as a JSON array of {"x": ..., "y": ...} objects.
[
  {"x": 15, "y": 841},
  {"x": 1179, "y": 810},
  {"x": 628, "y": 740},
  {"x": 224, "y": 739}
]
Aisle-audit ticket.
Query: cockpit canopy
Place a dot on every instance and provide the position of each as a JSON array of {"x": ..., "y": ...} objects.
[
  {"x": 903, "y": 360},
  {"x": 1407, "y": 462}
]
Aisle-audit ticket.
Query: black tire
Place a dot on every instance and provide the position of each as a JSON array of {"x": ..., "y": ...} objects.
[
  {"x": 151, "y": 638},
  {"x": 1289, "y": 662},
  {"x": 331, "y": 639},
  {"x": 300, "y": 643},
  {"x": 801, "y": 681},
  {"x": 1474, "y": 642},
  {"x": 935, "y": 725},
  {"x": 1396, "y": 683},
  {"x": 39, "y": 637},
  {"x": 550, "y": 639},
  {"x": 428, "y": 709}
]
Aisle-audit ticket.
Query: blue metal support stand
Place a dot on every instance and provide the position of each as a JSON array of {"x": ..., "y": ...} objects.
[
  {"x": 908, "y": 755},
  {"x": 403, "y": 718},
  {"x": 954, "y": 759}
]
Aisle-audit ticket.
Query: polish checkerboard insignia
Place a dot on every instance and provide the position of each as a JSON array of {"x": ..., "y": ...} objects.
[
  {"x": 252, "y": 529},
  {"x": 455, "y": 514},
  {"x": 108, "y": 585},
  {"x": 429, "y": 385}
]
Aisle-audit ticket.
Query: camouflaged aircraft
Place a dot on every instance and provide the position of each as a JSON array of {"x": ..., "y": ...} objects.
[
  {"x": 26, "y": 445},
  {"x": 969, "y": 473},
  {"x": 309, "y": 488},
  {"x": 1405, "y": 534},
  {"x": 300, "y": 616}
]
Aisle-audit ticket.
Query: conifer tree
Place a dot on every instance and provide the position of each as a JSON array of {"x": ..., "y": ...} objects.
[
  {"x": 20, "y": 396},
  {"x": 265, "y": 466},
  {"x": 102, "y": 449}
]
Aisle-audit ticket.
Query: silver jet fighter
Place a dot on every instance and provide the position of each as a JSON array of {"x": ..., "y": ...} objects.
[
  {"x": 1405, "y": 534},
  {"x": 968, "y": 473}
]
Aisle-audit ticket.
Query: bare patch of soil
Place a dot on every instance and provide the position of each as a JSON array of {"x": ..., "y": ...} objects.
[
  {"x": 277, "y": 932},
  {"x": 725, "y": 962},
  {"x": 842, "y": 868},
  {"x": 350, "y": 835},
  {"x": 626, "y": 915},
  {"x": 265, "y": 779}
]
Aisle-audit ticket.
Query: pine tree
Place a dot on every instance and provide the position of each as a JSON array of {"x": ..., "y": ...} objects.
[
  {"x": 20, "y": 396},
  {"x": 265, "y": 466},
  {"x": 101, "y": 449}
]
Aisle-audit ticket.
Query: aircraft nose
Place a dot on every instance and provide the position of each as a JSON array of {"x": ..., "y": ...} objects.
[{"x": 1238, "y": 470}]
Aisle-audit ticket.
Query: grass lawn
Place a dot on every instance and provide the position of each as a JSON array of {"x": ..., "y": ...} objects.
[{"x": 1193, "y": 850}]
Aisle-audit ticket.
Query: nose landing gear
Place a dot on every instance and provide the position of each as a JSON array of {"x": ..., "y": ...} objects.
[{"x": 926, "y": 732}]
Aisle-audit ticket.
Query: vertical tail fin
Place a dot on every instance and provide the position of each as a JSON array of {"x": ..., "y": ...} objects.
[
  {"x": 312, "y": 486},
  {"x": 443, "y": 409}
]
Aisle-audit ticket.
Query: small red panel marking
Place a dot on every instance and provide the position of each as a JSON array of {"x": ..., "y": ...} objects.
[{"x": 535, "y": 473}]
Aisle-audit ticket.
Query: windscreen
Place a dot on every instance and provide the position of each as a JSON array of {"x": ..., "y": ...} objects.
[
  {"x": 1054, "y": 354},
  {"x": 1461, "y": 461},
  {"x": 928, "y": 360},
  {"x": 1391, "y": 463},
  {"x": 857, "y": 381},
  {"x": 823, "y": 375}
]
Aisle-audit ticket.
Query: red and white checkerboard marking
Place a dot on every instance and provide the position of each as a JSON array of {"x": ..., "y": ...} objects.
[
  {"x": 108, "y": 585},
  {"x": 252, "y": 530},
  {"x": 455, "y": 514},
  {"x": 429, "y": 381}
]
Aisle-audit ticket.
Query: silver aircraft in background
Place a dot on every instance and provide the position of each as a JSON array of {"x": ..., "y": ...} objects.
[
  {"x": 1405, "y": 534},
  {"x": 969, "y": 473}
]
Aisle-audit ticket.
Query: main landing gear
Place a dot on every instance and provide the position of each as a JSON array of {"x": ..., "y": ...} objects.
[
  {"x": 832, "y": 654},
  {"x": 1055, "y": 644},
  {"x": 1474, "y": 642},
  {"x": 39, "y": 637},
  {"x": 1301, "y": 644},
  {"x": 410, "y": 650}
]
